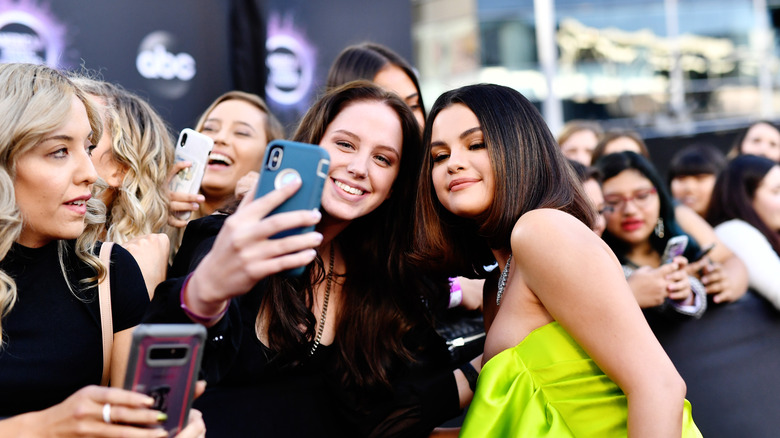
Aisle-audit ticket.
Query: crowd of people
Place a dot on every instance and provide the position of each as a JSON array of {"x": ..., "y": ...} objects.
[{"x": 558, "y": 244}]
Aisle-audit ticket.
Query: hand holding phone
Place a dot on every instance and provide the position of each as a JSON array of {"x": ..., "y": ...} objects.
[
  {"x": 164, "y": 364},
  {"x": 194, "y": 147},
  {"x": 285, "y": 160},
  {"x": 674, "y": 247}
]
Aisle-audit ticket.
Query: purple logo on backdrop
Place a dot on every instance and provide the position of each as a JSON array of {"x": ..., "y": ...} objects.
[
  {"x": 290, "y": 62},
  {"x": 168, "y": 72},
  {"x": 30, "y": 33}
]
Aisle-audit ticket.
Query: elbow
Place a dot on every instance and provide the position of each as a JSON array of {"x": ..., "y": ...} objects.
[{"x": 673, "y": 385}]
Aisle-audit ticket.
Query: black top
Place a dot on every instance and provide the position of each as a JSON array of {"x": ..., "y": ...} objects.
[
  {"x": 250, "y": 393},
  {"x": 53, "y": 340}
]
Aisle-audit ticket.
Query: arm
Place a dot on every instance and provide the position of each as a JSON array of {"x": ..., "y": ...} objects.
[
  {"x": 762, "y": 262},
  {"x": 726, "y": 278},
  {"x": 589, "y": 297}
]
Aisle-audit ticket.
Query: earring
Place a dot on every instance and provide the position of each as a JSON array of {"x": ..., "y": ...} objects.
[{"x": 659, "y": 228}]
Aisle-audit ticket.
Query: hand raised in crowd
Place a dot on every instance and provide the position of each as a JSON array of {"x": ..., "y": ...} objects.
[
  {"x": 715, "y": 279},
  {"x": 151, "y": 252},
  {"x": 181, "y": 202},
  {"x": 651, "y": 286},
  {"x": 243, "y": 252}
]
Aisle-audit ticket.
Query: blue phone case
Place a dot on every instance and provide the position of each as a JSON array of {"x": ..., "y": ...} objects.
[{"x": 283, "y": 159}]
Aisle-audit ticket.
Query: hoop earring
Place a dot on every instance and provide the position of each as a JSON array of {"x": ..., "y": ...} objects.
[{"x": 659, "y": 228}]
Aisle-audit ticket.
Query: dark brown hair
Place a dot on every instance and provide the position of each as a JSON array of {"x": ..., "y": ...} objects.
[
  {"x": 530, "y": 173},
  {"x": 734, "y": 191},
  {"x": 364, "y": 61},
  {"x": 381, "y": 298}
]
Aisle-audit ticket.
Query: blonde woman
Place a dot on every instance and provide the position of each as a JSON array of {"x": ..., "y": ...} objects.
[
  {"x": 133, "y": 158},
  {"x": 51, "y": 358},
  {"x": 241, "y": 125}
]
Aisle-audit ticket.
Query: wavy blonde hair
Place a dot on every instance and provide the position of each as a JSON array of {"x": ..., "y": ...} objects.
[
  {"x": 34, "y": 101},
  {"x": 142, "y": 143}
]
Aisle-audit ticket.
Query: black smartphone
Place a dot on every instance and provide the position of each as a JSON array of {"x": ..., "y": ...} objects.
[
  {"x": 164, "y": 364},
  {"x": 285, "y": 160}
]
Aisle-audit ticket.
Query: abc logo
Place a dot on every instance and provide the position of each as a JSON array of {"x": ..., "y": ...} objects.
[
  {"x": 158, "y": 63},
  {"x": 169, "y": 71}
]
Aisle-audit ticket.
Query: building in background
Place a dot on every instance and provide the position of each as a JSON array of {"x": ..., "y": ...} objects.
[{"x": 667, "y": 68}]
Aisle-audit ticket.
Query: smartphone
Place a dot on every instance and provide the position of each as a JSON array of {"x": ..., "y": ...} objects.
[
  {"x": 674, "y": 247},
  {"x": 283, "y": 161},
  {"x": 704, "y": 252},
  {"x": 164, "y": 364},
  {"x": 194, "y": 147}
]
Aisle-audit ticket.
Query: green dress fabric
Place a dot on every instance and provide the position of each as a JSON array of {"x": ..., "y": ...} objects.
[{"x": 547, "y": 386}]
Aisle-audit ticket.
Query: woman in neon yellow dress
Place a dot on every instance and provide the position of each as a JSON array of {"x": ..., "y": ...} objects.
[{"x": 568, "y": 351}]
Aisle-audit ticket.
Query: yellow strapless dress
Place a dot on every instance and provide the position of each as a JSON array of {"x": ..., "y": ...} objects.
[{"x": 547, "y": 386}]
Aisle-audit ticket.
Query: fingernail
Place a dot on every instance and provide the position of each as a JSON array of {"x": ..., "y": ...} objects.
[
  {"x": 161, "y": 416},
  {"x": 319, "y": 237},
  {"x": 312, "y": 252},
  {"x": 148, "y": 401},
  {"x": 195, "y": 205},
  {"x": 201, "y": 198},
  {"x": 316, "y": 214}
]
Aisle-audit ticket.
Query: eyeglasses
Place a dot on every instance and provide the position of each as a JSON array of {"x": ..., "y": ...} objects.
[{"x": 641, "y": 199}]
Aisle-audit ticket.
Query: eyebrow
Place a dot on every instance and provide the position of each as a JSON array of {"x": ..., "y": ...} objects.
[
  {"x": 462, "y": 136},
  {"x": 239, "y": 122},
  {"x": 61, "y": 137},
  {"x": 388, "y": 149}
]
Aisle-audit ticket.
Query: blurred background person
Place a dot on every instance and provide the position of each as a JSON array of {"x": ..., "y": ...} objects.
[
  {"x": 761, "y": 138},
  {"x": 620, "y": 140},
  {"x": 590, "y": 177},
  {"x": 745, "y": 211},
  {"x": 692, "y": 173},
  {"x": 578, "y": 140}
]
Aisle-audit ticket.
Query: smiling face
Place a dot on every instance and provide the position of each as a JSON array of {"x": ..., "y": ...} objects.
[
  {"x": 635, "y": 206},
  {"x": 238, "y": 130},
  {"x": 462, "y": 175},
  {"x": 364, "y": 142},
  {"x": 694, "y": 191},
  {"x": 766, "y": 200},
  {"x": 54, "y": 180},
  {"x": 764, "y": 140}
]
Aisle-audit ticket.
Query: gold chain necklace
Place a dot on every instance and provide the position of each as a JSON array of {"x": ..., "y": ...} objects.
[{"x": 321, "y": 326}]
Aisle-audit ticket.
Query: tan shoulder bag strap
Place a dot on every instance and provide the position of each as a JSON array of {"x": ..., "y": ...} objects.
[{"x": 106, "y": 321}]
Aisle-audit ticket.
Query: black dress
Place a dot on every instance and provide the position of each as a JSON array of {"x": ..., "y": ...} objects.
[
  {"x": 250, "y": 393},
  {"x": 53, "y": 340}
]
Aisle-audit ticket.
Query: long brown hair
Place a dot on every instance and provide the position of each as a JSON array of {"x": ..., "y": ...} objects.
[
  {"x": 530, "y": 173},
  {"x": 734, "y": 192},
  {"x": 381, "y": 303}
]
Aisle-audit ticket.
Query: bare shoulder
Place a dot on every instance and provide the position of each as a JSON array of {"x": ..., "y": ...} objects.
[
  {"x": 547, "y": 235},
  {"x": 547, "y": 224}
]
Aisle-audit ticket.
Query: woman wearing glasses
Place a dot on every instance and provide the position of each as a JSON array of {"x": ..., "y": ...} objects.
[{"x": 640, "y": 222}]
